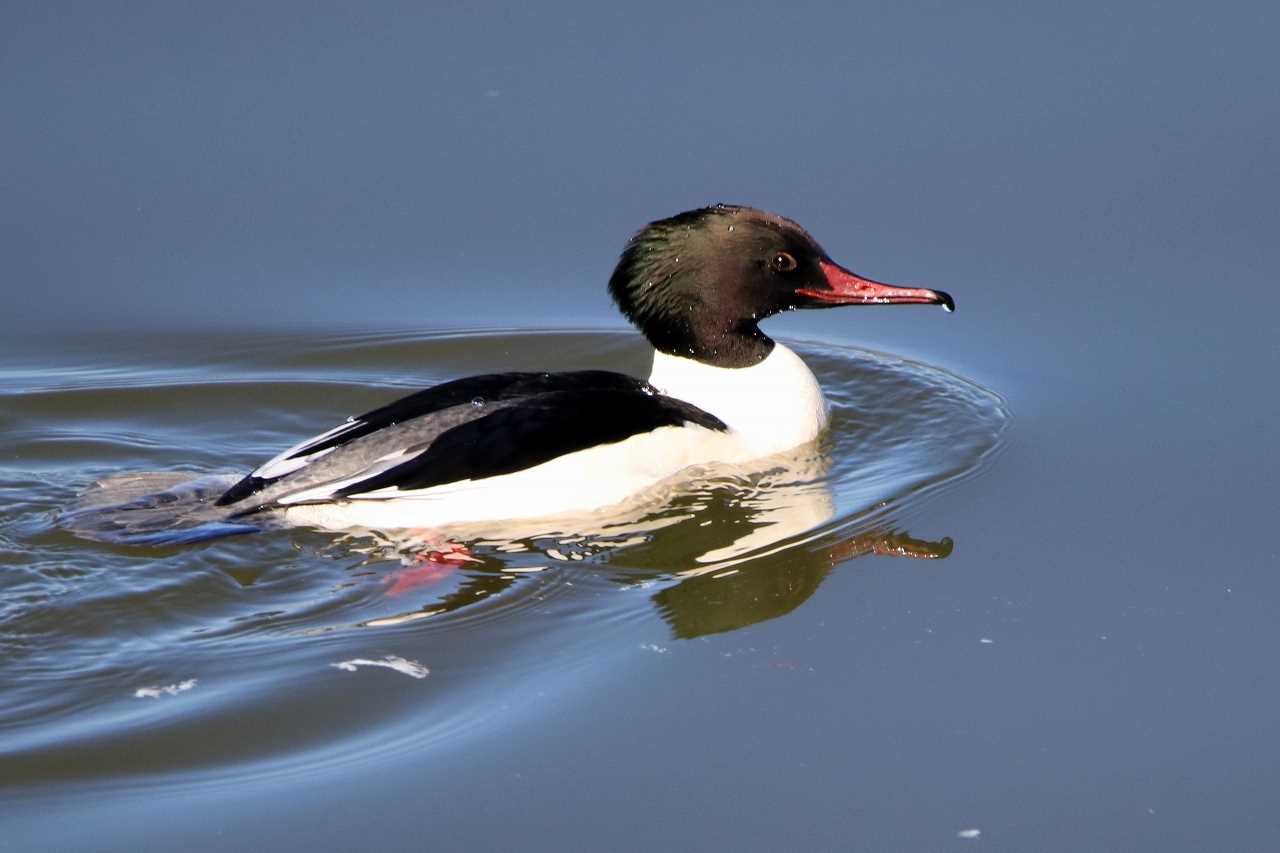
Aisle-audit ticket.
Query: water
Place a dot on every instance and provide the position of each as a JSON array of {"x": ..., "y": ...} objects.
[
  {"x": 1061, "y": 634},
  {"x": 129, "y": 660},
  {"x": 224, "y": 229}
]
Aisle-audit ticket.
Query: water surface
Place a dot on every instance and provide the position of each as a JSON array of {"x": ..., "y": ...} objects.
[
  {"x": 154, "y": 661},
  {"x": 206, "y": 210}
]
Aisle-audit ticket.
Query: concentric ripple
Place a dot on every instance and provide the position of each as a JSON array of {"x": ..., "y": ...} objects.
[{"x": 122, "y": 659}]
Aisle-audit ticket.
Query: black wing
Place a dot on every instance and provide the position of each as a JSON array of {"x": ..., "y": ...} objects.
[
  {"x": 561, "y": 410},
  {"x": 533, "y": 431}
]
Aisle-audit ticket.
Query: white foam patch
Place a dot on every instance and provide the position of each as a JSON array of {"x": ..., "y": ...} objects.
[
  {"x": 411, "y": 668},
  {"x": 400, "y": 619},
  {"x": 167, "y": 690},
  {"x": 969, "y": 833}
]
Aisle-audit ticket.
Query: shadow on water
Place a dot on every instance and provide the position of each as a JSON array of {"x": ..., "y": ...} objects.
[{"x": 296, "y": 649}]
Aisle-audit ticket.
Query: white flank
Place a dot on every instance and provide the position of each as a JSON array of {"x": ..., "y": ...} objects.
[
  {"x": 580, "y": 482},
  {"x": 771, "y": 407}
]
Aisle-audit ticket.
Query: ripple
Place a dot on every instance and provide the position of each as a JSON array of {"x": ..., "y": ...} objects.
[{"x": 257, "y": 621}]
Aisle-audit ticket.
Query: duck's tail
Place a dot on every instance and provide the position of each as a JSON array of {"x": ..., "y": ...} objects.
[{"x": 153, "y": 508}]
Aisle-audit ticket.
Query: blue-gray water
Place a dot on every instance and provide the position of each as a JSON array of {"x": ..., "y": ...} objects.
[{"x": 224, "y": 227}]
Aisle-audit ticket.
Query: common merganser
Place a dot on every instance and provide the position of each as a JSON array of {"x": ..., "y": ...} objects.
[{"x": 531, "y": 445}]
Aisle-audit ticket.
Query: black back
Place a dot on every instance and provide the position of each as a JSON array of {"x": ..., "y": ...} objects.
[
  {"x": 504, "y": 422},
  {"x": 536, "y": 430}
]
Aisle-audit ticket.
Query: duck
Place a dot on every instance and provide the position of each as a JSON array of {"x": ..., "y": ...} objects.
[{"x": 528, "y": 444}]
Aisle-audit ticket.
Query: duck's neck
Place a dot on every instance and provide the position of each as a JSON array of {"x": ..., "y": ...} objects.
[
  {"x": 773, "y": 405},
  {"x": 704, "y": 335}
]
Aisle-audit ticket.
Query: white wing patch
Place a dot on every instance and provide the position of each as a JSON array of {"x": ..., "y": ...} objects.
[
  {"x": 281, "y": 464},
  {"x": 325, "y": 491}
]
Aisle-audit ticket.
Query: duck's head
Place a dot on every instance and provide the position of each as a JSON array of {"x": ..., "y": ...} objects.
[{"x": 698, "y": 283}]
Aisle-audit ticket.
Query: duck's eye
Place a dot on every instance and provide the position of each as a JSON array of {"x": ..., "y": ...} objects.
[{"x": 783, "y": 262}]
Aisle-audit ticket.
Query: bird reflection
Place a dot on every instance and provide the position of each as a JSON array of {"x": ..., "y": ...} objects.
[
  {"x": 775, "y": 584},
  {"x": 725, "y": 550}
]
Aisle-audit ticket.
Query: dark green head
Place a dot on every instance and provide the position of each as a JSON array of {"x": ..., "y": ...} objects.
[{"x": 698, "y": 283}]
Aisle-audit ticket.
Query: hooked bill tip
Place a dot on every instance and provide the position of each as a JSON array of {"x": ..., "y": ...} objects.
[{"x": 948, "y": 304}]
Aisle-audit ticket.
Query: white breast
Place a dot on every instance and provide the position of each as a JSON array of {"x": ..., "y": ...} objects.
[{"x": 772, "y": 406}]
